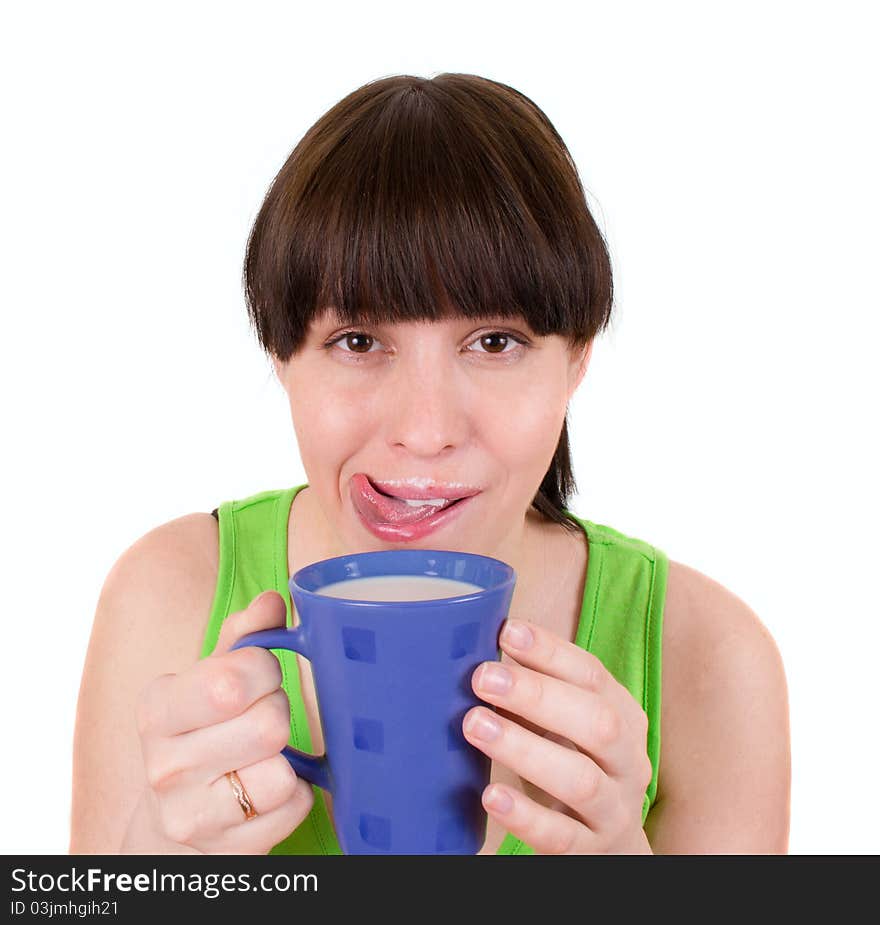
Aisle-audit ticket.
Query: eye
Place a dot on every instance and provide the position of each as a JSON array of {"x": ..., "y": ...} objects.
[
  {"x": 504, "y": 337},
  {"x": 360, "y": 343},
  {"x": 354, "y": 339}
]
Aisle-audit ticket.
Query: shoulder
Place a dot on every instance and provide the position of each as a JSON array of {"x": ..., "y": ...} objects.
[
  {"x": 724, "y": 773},
  {"x": 167, "y": 577},
  {"x": 192, "y": 539},
  {"x": 702, "y": 611},
  {"x": 186, "y": 548},
  {"x": 702, "y": 616}
]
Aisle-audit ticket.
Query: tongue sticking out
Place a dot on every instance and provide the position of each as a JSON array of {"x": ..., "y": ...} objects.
[{"x": 382, "y": 508}]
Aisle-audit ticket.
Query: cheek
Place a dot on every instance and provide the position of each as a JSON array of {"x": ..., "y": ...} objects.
[
  {"x": 524, "y": 428},
  {"x": 327, "y": 420},
  {"x": 330, "y": 427}
]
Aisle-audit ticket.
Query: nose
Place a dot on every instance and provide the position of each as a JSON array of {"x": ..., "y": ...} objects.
[{"x": 427, "y": 405}]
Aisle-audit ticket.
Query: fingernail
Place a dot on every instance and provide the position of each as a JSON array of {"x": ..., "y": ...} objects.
[
  {"x": 498, "y": 800},
  {"x": 482, "y": 725},
  {"x": 494, "y": 678},
  {"x": 517, "y": 634}
]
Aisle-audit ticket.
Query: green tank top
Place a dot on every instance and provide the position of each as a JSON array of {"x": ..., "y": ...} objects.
[{"x": 620, "y": 622}]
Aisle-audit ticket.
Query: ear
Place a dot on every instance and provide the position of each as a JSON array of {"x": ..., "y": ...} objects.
[{"x": 579, "y": 368}]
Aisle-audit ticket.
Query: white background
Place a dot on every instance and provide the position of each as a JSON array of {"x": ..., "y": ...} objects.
[{"x": 729, "y": 417}]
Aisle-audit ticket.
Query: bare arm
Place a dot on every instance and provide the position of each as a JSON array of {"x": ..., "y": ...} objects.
[
  {"x": 725, "y": 768},
  {"x": 150, "y": 618}
]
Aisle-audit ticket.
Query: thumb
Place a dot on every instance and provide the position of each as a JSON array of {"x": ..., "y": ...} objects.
[{"x": 266, "y": 611}]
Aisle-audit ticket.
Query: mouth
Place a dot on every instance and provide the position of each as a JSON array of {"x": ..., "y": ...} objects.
[{"x": 421, "y": 510}]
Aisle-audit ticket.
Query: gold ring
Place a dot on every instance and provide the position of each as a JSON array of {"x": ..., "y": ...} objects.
[{"x": 244, "y": 800}]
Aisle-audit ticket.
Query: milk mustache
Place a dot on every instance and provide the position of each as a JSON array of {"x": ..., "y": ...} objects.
[{"x": 398, "y": 588}]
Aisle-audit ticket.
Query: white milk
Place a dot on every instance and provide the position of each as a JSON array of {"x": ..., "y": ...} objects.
[{"x": 398, "y": 588}]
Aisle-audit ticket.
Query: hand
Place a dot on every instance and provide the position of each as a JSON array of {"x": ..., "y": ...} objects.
[
  {"x": 560, "y": 692},
  {"x": 227, "y": 712}
]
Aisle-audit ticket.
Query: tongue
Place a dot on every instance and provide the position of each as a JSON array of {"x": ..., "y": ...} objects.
[{"x": 383, "y": 509}]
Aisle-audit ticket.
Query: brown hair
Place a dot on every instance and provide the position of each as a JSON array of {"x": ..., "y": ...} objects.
[{"x": 416, "y": 199}]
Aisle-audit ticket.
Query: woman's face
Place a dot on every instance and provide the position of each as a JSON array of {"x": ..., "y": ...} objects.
[{"x": 457, "y": 402}]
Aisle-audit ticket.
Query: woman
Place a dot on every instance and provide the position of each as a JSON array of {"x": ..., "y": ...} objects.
[{"x": 428, "y": 281}]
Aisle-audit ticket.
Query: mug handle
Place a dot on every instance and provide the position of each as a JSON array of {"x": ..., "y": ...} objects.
[{"x": 311, "y": 767}]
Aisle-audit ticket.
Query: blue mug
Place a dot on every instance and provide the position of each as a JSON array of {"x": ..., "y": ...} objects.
[{"x": 393, "y": 683}]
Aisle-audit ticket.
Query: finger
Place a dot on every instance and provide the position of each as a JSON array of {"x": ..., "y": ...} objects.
[
  {"x": 265, "y": 611},
  {"x": 570, "y": 776},
  {"x": 192, "y": 814},
  {"x": 583, "y": 716},
  {"x": 545, "y": 830},
  {"x": 260, "y": 834},
  {"x": 216, "y": 688},
  {"x": 260, "y": 732},
  {"x": 538, "y": 648},
  {"x": 268, "y": 783},
  {"x": 198, "y": 758},
  {"x": 213, "y": 691}
]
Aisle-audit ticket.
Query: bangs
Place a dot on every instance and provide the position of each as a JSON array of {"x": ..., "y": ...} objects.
[{"x": 420, "y": 200}]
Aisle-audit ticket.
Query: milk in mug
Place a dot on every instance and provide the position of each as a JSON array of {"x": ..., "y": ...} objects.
[{"x": 398, "y": 588}]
